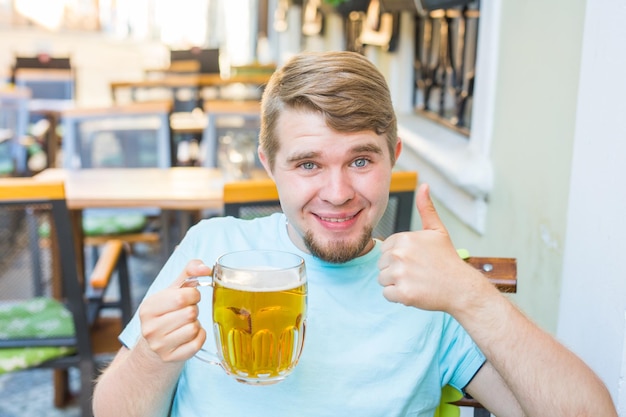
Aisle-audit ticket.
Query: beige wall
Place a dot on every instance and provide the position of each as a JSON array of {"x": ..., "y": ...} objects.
[
  {"x": 98, "y": 59},
  {"x": 540, "y": 50}
]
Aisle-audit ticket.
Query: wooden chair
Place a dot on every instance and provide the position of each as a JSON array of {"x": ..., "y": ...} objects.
[
  {"x": 502, "y": 272},
  {"x": 48, "y": 77},
  {"x": 194, "y": 61},
  {"x": 43, "y": 287},
  {"x": 47, "y": 84},
  {"x": 248, "y": 199},
  {"x": 129, "y": 136},
  {"x": 255, "y": 198},
  {"x": 52, "y": 84},
  {"x": 42, "y": 61},
  {"x": 125, "y": 136},
  {"x": 207, "y": 58},
  {"x": 224, "y": 116}
]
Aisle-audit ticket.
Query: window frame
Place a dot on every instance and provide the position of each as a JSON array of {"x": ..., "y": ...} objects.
[{"x": 460, "y": 171}]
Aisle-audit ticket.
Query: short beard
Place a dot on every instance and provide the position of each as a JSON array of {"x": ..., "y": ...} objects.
[{"x": 341, "y": 251}]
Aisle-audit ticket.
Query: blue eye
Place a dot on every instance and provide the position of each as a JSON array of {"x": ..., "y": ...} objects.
[
  {"x": 308, "y": 165},
  {"x": 360, "y": 163}
]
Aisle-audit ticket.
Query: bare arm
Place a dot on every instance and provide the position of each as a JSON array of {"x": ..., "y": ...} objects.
[
  {"x": 422, "y": 269},
  {"x": 544, "y": 376},
  {"x": 141, "y": 381},
  {"x": 492, "y": 392}
]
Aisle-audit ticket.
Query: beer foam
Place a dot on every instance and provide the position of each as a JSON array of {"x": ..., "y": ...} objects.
[{"x": 263, "y": 279}]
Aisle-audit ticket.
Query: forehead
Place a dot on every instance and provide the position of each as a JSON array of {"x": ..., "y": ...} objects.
[{"x": 305, "y": 132}]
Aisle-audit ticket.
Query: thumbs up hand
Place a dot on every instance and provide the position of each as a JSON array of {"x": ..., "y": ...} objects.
[{"x": 422, "y": 268}]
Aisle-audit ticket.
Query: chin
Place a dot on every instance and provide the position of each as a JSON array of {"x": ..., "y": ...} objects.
[{"x": 338, "y": 251}]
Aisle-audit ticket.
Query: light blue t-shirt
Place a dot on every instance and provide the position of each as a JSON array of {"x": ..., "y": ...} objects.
[{"x": 363, "y": 356}]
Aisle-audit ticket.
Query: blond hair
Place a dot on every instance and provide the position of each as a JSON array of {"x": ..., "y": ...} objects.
[{"x": 344, "y": 87}]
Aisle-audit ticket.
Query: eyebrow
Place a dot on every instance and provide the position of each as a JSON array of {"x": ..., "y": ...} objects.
[
  {"x": 367, "y": 148},
  {"x": 304, "y": 155}
]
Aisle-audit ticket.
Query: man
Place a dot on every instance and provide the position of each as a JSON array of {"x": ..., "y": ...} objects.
[{"x": 389, "y": 323}]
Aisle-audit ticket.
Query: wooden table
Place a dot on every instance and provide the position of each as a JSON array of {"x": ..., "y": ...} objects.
[
  {"x": 180, "y": 189},
  {"x": 191, "y": 80},
  {"x": 174, "y": 189},
  {"x": 182, "y": 82}
]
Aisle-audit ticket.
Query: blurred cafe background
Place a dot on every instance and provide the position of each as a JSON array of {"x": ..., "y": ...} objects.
[{"x": 511, "y": 110}]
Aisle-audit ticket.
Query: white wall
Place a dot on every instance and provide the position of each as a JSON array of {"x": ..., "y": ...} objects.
[{"x": 592, "y": 315}]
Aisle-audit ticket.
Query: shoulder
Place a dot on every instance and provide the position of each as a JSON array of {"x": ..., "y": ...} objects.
[
  {"x": 223, "y": 234},
  {"x": 236, "y": 225}
]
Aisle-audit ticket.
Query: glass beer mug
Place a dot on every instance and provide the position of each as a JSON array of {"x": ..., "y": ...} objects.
[{"x": 259, "y": 313}]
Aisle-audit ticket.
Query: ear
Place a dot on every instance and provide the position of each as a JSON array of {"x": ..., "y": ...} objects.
[
  {"x": 398, "y": 148},
  {"x": 265, "y": 162}
]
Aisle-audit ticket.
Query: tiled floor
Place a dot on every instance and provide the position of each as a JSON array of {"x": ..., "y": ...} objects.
[{"x": 30, "y": 393}]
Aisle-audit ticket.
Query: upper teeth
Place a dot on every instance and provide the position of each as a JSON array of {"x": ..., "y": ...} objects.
[{"x": 336, "y": 220}]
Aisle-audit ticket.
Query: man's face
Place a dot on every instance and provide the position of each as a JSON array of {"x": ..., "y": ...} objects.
[{"x": 333, "y": 186}]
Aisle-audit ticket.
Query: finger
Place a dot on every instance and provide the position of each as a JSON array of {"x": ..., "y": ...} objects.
[
  {"x": 179, "y": 345},
  {"x": 390, "y": 292},
  {"x": 168, "y": 310},
  {"x": 181, "y": 335},
  {"x": 426, "y": 209},
  {"x": 187, "y": 350},
  {"x": 194, "y": 268},
  {"x": 393, "y": 249}
]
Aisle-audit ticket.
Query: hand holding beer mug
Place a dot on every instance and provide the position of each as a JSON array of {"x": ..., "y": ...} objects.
[{"x": 259, "y": 312}]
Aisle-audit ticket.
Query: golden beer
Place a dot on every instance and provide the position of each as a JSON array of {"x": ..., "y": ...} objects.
[{"x": 259, "y": 331}]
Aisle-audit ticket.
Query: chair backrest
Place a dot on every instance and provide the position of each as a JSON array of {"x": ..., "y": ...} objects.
[
  {"x": 207, "y": 58},
  {"x": 248, "y": 199},
  {"x": 42, "y": 61},
  {"x": 130, "y": 136},
  {"x": 259, "y": 197},
  {"x": 49, "y": 308},
  {"x": 237, "y": 120},
  {"x": 397, "y": 217},
  {"x": 47, "y": 84},
  {"x": 37, "y": 239},
  {"x": 13, "y": 126}
]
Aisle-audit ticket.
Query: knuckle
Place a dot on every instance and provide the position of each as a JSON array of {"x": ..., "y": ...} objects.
[{"x": 190, "y": 313}]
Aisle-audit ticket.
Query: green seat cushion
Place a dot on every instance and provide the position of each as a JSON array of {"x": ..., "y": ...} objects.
[
  {"x": 115, "y": 224},
  {"x": 38, "y": 317}
]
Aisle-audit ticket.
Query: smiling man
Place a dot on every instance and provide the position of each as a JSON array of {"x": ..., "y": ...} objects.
[
  {"x": 342, "y": 182},
  {"x": 389, "y": 323}
]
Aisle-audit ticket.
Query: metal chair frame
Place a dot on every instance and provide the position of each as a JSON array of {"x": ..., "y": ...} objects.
[{"x": 82, "y": 297}]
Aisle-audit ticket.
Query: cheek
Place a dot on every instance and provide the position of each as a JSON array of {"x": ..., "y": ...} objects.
[
  {"x": 378, "y": 197},
  {"x": 376, "y": 190},
  {"x": 292, "y": 196}
]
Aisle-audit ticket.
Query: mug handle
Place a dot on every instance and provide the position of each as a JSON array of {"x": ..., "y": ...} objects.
[{"x": 203, "y": 354}]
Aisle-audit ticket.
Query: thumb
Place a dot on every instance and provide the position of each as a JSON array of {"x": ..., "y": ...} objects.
[
  {"x": 194, "y": 268},
  {"x": 426, "y": 210}
]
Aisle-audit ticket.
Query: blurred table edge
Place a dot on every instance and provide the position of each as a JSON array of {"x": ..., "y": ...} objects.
[{"x": 179, "y": 188}]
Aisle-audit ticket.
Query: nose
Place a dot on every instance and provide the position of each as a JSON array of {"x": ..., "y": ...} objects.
[{"x": 337, "y": 188}]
